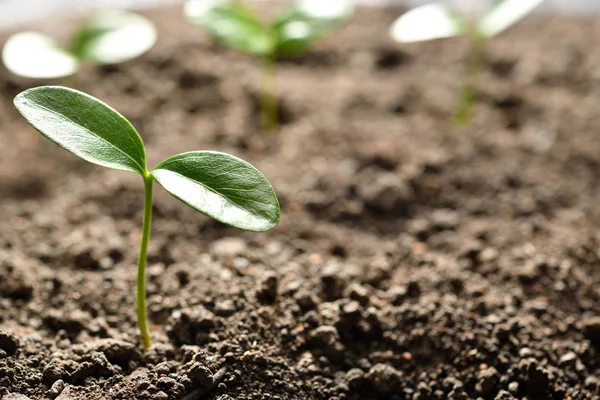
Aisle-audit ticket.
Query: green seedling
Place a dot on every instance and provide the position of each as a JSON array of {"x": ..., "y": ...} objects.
[
  {"x": 474, "y": 18},
  {"x": 107, "y": 38},
  {"x": 290, "y": 33},
  {"x": 219, "y": 185}
]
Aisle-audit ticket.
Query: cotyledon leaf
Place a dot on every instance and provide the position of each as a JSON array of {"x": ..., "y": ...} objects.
[
  {"x": 231, "y": 23},
  {"x": 505, "y": 14},
  {"x": 308, "y": 21},
  {"x": 112, "y": 37},
  {"x": 427, "y": 22},
  {"x": 221, "y": 186},
  {"x": 34, "y": 55},
  {"x": 83, "y": 125}
]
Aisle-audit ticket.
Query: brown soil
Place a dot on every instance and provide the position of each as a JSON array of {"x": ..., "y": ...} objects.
[{"x": 413, "y": 260}]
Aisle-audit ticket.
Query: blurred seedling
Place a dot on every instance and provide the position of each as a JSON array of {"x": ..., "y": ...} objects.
[
  {"x": 290, "y": 33},
  {"x": 110, "y": 37},
  {"x": 477, "y": 19},
  {"x": 219, "y": 185}
]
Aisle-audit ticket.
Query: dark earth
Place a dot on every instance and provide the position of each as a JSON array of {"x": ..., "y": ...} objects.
[{"x": 414, "y": 260}]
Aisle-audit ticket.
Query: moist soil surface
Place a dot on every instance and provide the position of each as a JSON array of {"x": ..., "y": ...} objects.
[{"x": 414, "y": 260}]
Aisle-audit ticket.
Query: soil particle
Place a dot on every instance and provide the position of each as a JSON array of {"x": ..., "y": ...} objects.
[
  {"x": 116, "y": 351},
  {"x": 198, "y": 373},
  {"x": 591, "y": 329},
  {"x": 504, "y": 395},
  {"x": 332, "y": 283},
  {"x": 355, "y": 379},
  {"x": 569, "y": 359},
  {"x": 190, "y": 325},
  {"x": 56, "y": 389},
  {"x": 324, "y": 336},
  {"x": 8, "y": 343},
  {"x": 385, "y": 192},
  {"x": 538, "y": 378},
  {"x": 15, "y": 284},
  {"x": 15, "y": 396},
  {"x": 72, "y": 323},
  {"x": 225, "y": 308},
  {"x": 228, "y": 247},
  {"x": 359, "y": 293},
  {"x": 73, "y": 393},
  {"x": 268, "y": 288},
  {"x": 93, "y": 364},
  {"x": 385, "y": 379},
  {"x": 488, "y": 381}
]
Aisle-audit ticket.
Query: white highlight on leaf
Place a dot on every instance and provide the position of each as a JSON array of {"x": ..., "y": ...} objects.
[
  {"x": 297, "y": 30},
  {"x": 209, "y": 201},
  {"x": 197, "y": 8},
  {"x": 129, "y": 35},
  {"x": 33, "y": 55},
  {"x": 431, "y": 21},
  {"x": 325, "y": 9},
  {"x": 506, "y": 14}
]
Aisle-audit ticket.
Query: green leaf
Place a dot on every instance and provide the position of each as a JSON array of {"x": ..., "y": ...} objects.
[
  {"x": 231, "y": 24},
  {"x": 33, "y": 55},
  {"x": 83, "y": 125},
  {"x": 307, "y": 22},
  {"x": 428, "y": 22},
  {"x": 221, "y": 186},
  {"x": 113, "y": 37},
  {"x": 505, "y": 14}
]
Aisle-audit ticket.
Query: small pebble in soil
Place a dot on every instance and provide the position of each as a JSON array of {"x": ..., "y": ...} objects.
[
  {"x": 324, "y": 336},
  {"x": 385, "y": 379},
  {"x": 162, "y": 369},
  {"x": 229, "y": 247},
  {"x": 267, "y": 291},
  {"x": 198, "y": 373},
  {"x": 225, "y": 308},
  {"x": 56, "y": 389},
  {"x": 359, "y": 293},
  {"x": 568, "y": 359}
]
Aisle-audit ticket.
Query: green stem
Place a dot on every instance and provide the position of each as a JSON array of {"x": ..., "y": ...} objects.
[
  {"x": 464, "y": 111},
  {"x": 268, "y": 100},
  {"x": 142, "y": 314}
]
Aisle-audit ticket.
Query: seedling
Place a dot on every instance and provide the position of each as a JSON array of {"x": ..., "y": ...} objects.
[
  {"x": 219, "y": 185},
  {"x": 473, "y": 18},
  {"x": 288, "y": 34},
  {"x": 107, "y": 38}
]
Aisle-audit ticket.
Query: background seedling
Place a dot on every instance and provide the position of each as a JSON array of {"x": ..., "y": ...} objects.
[
  {"x": 107, "y": 38},
  {"x": 290, "y": 33},
  {"x": 217, "y": 184},
  {"x": 474, "y": 18}
]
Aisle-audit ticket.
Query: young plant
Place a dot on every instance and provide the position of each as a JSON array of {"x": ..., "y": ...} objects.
[
  {"x": 478, "y": 19},
  {"x": 288, "y": 34},
  {"x": 107, "y": 38},
  {"x": 219, "y": 185}
]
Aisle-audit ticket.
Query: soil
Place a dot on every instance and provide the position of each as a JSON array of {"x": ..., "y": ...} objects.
[{"x": 414, "y": 260}]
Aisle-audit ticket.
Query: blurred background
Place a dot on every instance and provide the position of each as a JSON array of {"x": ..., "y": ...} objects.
[{"x": 15, "y": 12}]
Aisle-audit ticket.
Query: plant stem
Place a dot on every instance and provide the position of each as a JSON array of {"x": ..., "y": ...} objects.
[
  {"x": 268, "y": 99},
  {"x": 142, "y": 314},
  {"x": 464, "y": 111}
]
